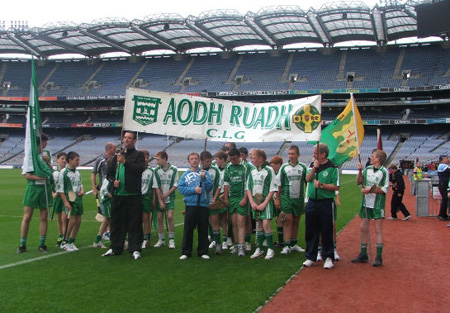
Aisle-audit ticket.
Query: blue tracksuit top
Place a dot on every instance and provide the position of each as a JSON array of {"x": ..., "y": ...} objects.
[{"x": 187, "y": 184}]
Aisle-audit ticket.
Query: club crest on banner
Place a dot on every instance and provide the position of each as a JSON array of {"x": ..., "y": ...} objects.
[
  {"x": 145, "y": 109},
  {"x": 307, "y": 118}
]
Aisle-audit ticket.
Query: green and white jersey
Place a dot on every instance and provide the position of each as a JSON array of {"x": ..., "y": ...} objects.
[
  {"x": 105, "y": 189},
  {"x": 55, "y": 174},
  {"x": 148, "y": 181},
  {"x": 69, "y": 180},
  {"x": 214, "y": 172},
  {"x": 328, "y": 173},
  {"x": 235, "y": 176},
  {"x": 166, "y": 179},
  {"x": 221, "y": 180},
  {"x": 380, "y": 178},
  {"x": 292, "y": 180},
  {"x": 261, "y": 181}
]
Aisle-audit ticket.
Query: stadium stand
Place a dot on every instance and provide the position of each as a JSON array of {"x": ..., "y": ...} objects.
[
  {"x": 259, "y": 71},
  {"x": 404, "y": 89}
]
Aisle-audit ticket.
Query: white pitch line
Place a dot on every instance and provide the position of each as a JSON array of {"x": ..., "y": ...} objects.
[
  {"x": 46, "y": 256},
  {"x": 36, "y": 259}
]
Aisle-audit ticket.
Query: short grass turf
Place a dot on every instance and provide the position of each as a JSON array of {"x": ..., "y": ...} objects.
[{"x": 83, "y": 281}]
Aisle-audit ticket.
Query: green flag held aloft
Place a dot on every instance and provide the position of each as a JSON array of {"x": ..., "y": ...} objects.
[{"x": 343, "y": 133}]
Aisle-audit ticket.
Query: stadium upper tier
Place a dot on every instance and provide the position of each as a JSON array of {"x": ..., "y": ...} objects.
[
  {"x": 274, "y": 27},
  {"x": 394, "y": 66}
]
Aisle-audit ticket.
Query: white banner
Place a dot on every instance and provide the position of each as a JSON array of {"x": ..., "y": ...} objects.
[{"x": 221, "y": 120}]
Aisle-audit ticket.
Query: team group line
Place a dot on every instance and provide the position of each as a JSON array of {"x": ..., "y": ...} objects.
[{"x": 221, "y": 191}]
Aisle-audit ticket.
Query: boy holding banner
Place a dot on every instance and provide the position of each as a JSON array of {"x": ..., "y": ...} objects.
[{"x": 195, "y": 185}]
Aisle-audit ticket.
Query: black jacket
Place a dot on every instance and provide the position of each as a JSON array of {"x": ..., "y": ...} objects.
[
  {"x": 134, "y": 166},
  {"x": 398, "y": 184}
]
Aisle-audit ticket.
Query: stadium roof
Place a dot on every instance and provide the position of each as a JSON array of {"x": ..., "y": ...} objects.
[{"x": 274, "y": 27}]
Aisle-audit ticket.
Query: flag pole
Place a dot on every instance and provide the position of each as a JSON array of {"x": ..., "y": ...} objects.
[
  {"x": 37, "y": 123},
  {"x": 359, "y": 157},
  {"x": 356, "y": 127}
]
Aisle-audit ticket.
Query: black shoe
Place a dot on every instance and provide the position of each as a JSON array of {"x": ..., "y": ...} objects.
[
  {"x": 277, "y": 244},
  {"x": 442, "y": 218},
  {"x": 378, "y": 262},
  {"x": 43, "y": 249},
  {"x": 361, "y": 258},
  {"x": 21, "y": 249}
]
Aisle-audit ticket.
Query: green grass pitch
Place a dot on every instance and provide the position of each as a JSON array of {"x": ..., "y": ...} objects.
[{"x": 83, "y": 281}]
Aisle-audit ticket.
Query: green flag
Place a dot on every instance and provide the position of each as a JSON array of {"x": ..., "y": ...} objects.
[
  {"x": 342, "y": 135},
  {"x": 33, "y": 161}
]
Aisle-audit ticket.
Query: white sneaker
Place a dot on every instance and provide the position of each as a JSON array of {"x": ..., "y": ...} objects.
[
  {"x": 159, "y": 244},
  {"x": 248, "y": 246},
  {"x": 265, "y": 243},
  {"x": 336, "y": 256},
  {"x": 328, "y": 263},
  {"x": 308, "y": 263},
  {"x": 241, "y": 252},
  {"x": 257, "y": 254},
  {"x": 67, "y": 247},
  {"x": 105, "y": 237},
  {"x": 171, "y": 244},
  {"x": 110, "y": 252},
  {"x": 270, "y": 254},
  {"x": 125, "y": 245},
  {"x": 319, "y": 257},
  {"x": 136, "y": 255},
  {"x": 224, "y": 245},
  {"x": 229, "y": 242},
  {"x": 286, "y": 250},
  {"x": 233, "y": 250},
  {"x": 212, "y": 245},
  {"x": 297, "y": 248},
  {"x": 205, "y": 257},
  {"x": 183, "y": 257},
  {"x": 74, "y": 247},
  {"x": 144, "y": 244},
  {"x": 99, "y": 245},
  {"x": 218, "y": 250}
]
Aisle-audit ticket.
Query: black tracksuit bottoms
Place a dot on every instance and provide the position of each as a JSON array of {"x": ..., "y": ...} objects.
[
  {"x": 195, "y": 216},
  {"x": 126, "y": 217},
  {"x": 319, "y": 223}
]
